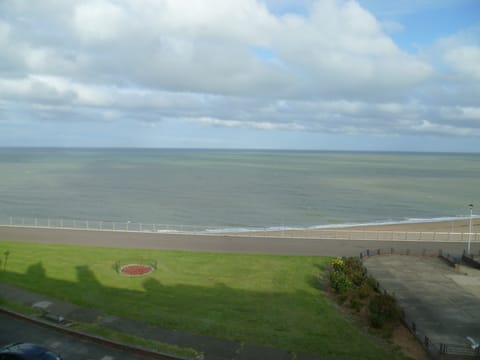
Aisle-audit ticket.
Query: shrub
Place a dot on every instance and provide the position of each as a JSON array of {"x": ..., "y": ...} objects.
[
  {"x": 340, "y": 282},
  {"x": 383, "y": 309},
  {"x": 365, "y": 290},
  {"x": 356, "y": 304},
  {"x": 338, "y": 265},
  {"x": 347, "y": 274},
  {"x": 353, "y": 265}
]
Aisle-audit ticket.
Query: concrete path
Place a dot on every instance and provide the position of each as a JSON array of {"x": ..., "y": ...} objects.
[{"x": 443, "y": 302}]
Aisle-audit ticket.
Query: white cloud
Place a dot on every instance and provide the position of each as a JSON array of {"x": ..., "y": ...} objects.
[
  {"x": 261, "y": 125},
  {"x": 98, "y": 20},
  {"x": 465, "y": 60},
  {"x": 205, "y": 45},
  {"x": 54, "y": 88},
  {"x": 445, "y": 130},
  {"x": 328, "y": 67}
]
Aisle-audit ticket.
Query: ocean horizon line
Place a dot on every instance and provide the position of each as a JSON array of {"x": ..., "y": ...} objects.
[{"x": 297, "y": 150}]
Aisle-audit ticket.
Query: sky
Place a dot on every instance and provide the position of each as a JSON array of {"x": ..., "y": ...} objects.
[{"x": 366, "y": 75}]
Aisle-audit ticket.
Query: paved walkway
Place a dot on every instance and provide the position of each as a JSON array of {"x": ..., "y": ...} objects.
[
  {"x": 213, "y": 348},
  {"x": 442, "y": 301},
  {"x": 221, "y": 243}
]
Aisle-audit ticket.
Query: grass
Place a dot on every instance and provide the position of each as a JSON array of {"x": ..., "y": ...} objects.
[
  {"x": 110, "y": 334},
  {"x": 264, "y": 299},
  {"x": 134, "y": 340},
  {"x": 20, "y": 308}
]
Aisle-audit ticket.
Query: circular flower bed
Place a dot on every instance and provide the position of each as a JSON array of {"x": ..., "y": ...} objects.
[{"x": 135, "y": 269}]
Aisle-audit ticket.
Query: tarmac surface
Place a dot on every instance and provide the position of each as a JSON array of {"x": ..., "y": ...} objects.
[
  {"x": 444, "y": 302},
  {"x": 220, "y": 243},
  {"x": 69, "y": 347}
]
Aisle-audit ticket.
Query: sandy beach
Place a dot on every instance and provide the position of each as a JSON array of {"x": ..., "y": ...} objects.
[{"x": 452, "y": 226}]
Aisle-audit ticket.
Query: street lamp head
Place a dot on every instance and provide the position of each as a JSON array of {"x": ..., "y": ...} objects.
[{"x": 470, "y": 206}]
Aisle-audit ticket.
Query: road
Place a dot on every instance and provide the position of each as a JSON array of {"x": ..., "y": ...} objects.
[
  {"x": 220, "y": 243},
  {"x": 69, "y": 347}
]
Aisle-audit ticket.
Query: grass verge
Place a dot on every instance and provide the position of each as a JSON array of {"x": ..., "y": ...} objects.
[
  {"x": 136, "y": 341},
  {"x": 20, "y": 308},
  {"x": 97, "y": 330}
]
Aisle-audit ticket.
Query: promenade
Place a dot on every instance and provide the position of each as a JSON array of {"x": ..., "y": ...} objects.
[{"x": 224, "y": 243}]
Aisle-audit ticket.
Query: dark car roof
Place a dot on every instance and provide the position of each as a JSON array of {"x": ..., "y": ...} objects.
[{"x": 27, "y": 350}]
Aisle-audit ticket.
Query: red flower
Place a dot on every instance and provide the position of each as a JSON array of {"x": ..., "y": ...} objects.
[{"x": 135, "y": 269}]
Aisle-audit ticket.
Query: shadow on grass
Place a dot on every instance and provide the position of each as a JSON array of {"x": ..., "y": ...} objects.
[{"x": 296, "y": 320}]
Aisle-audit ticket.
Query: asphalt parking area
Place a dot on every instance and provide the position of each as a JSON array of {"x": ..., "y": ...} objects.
[{"x": 443, "y": 302}]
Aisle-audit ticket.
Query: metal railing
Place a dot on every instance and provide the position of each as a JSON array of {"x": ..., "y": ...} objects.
[
  {"x": 398, "y": 235},
  {"x": 99, "y": 225},
  {"x": 462, "y": 351},
  {"x": 339, "y": 233}
]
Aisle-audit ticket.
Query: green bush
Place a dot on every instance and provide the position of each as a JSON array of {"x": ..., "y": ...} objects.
[
  {"x": 365, "y": 290},
  {"x": 351, "y": 283},
  {"x": 383, "y": 310},
  {"x": 340, "y": 282},
  {"x": 356, "y": 304},
  {"x": 338, "y": 265}
]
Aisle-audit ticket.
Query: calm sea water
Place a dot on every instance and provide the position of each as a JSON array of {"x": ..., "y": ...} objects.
[{"x": 235, "y": 189}]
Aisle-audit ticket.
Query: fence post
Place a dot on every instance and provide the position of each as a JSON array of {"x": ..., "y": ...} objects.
[{"x": 427, "y": 341}]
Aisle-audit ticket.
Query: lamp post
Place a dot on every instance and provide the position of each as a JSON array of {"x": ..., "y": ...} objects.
[{"x": 470, "y": 229}]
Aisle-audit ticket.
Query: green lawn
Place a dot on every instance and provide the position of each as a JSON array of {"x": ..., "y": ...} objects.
[{"x": 265, "y": 299}]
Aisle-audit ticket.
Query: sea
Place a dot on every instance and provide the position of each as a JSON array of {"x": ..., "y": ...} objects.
[{"x": 236, "y": 190}]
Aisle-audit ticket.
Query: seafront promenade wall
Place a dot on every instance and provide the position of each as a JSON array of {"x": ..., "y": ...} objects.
[{"x": 332, "y": 233}]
